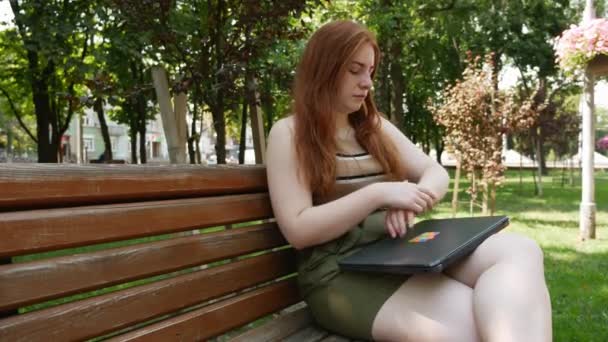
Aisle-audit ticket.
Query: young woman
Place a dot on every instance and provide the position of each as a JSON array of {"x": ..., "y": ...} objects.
[{"x": 341, "y": 176}]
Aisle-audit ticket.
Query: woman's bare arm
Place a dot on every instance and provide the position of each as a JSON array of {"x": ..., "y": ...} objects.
[
  {"x": 303, "y": 224},
  {"x": 419, "y": 167}
]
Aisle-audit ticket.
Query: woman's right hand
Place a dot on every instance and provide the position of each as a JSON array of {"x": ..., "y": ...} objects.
[{"x": 407, "y": 196}]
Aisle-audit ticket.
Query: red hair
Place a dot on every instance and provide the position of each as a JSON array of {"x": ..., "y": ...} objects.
[{"x": 321, "y": 67}]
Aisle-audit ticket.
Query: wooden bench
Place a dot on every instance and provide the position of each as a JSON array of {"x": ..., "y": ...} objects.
[{"x": 161, "y": 253}]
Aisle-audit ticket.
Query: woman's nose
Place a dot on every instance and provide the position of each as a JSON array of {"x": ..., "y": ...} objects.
[{"x": 366, "y": 82}]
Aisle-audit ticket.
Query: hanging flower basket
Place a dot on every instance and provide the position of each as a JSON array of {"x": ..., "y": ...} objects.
[{"x": 584, "y": 46}]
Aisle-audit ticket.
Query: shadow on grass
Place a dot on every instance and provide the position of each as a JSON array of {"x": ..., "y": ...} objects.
[
  {"x": 542, "y": 223},
  {"x": 578, "y": 283},
  {"x": 522, "y": 197}
]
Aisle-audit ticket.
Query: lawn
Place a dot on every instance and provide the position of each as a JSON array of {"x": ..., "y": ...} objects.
[{"x": 576, "y": 272}]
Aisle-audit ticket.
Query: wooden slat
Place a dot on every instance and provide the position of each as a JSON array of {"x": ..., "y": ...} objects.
[
  {"x": 30, "y": 231},
  {"x": 114, "y": 311},
  {"x": 335, "y": 338},
  {"x": 210, "y": 321},
  {"x": 6, "y": 313},
  {"x": 309, "y": 334},
  {"x": 278, "y": 328},
  {"x": 52, "y": 185},
  {"x": 27, "y": 283}
]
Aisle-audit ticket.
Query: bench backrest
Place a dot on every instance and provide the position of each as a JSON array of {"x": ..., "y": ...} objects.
[{"x": 92, "y": 251}]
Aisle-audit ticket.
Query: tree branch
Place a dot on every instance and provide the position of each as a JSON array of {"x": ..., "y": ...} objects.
[
  {"x": 447, "y": 7},
  {"x": 17, "y": 114},
  {"x": 523, "y": 79},
  {"x": 64, "y": 127}
]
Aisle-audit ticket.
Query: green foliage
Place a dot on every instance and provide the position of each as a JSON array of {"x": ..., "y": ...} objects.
[{"x": 209, "y": 48}]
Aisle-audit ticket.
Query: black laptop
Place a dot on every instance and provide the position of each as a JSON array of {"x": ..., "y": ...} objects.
[{"x": 430, "y": 246}]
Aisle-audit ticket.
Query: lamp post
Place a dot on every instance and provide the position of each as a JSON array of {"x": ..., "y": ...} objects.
[{"x": 587, "y": 206}]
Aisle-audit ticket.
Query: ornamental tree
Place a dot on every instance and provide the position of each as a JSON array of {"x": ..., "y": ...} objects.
[{"x": 475, "y": 115}]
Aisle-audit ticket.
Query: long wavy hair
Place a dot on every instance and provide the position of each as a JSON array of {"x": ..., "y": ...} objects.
[{"x": 320, "y": 70}]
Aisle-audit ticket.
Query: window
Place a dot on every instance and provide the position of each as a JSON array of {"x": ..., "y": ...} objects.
[
  {"x": 153, "y": 125},
  {"x": 88, "y": 120},
  {"x": 114, "y": 143},
  {"x": 89, "y": 143}
]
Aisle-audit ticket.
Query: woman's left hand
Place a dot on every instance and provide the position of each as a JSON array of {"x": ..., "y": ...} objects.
[{"x": 398, "y": 221}]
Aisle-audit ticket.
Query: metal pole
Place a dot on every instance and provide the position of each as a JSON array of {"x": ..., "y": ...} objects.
[
  {"x": 589, "y": 13},
  {"x": 587, "y": 206}
]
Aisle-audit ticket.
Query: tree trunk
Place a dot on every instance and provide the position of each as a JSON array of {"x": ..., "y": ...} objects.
[
  {"x": 173, "y": 117},
  {"x": 218, "y": 17},
  {"x": 39, "y": 77},
  {"x": 143, "y": 153},
  {"x": 257, "y": 123},
  {"x": 485, "y": 190},
  {"x": 9, "y": 141},
  {"x": 243, "y": 137},
  {"x": 267, "y": 102},
  {"x": 141, "y": 128},
  {"x": 535, "y": 182},
  {"x": 219, "y": 124},
  {"x": 539, "y": 165},
  {"x": 455, "y": 191},
  {"x": 47, "y": 153},
  {"x": 197, "y": 101},
  {"x": 439, "y": 146},
  {"x": 493, "y": 200},
  {"x": 192, "y": 141},
  {"x": 133, "y": 140},
  {"x": 541, "y": 151},
  {"x": 398, "y": 83},
  {"x": 384, "y": 89},
  {"x": 98, "y": 106},
  {"x": 180, "y": 101},
  {"x": 521, "y": 162},
  {"x": 473, "y": 193}
]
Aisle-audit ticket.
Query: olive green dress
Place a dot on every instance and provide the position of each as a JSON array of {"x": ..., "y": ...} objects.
[{"x": 340, "y": 301}]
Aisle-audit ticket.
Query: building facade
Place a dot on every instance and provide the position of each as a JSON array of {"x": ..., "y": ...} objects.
[{"x": 92, "y": 140}]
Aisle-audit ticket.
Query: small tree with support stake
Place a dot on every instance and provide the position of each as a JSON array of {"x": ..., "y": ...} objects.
[{"x": 475, "y": 115}]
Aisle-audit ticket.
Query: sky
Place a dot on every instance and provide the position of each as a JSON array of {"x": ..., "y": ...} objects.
[
  {"x": 5, "y": 11},
  {"x": 508, "y": 79}
]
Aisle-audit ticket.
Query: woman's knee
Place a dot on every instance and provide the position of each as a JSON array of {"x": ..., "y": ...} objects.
[
  {"x": 528, "y": 249},
  {"x": 509, "y": 244}
]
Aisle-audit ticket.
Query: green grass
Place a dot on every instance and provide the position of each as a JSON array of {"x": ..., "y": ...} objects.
[{"x": 576, "y": 271}]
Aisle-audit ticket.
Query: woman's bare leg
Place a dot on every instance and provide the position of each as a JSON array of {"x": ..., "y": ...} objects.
[
  {"x": 510, "y": 297},
  {"x": 431, "y": 307}
]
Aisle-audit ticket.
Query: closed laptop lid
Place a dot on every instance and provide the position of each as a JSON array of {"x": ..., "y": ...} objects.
[{"x": 426, "y": 246}]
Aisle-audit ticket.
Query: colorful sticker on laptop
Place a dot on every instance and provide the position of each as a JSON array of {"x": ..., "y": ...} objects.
[{"x": 424, "y": 237}]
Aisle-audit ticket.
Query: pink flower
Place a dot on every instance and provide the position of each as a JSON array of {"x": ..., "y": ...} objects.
[
  {"x": 579, "y": 44},
  {"x": 602, "y": 144}
]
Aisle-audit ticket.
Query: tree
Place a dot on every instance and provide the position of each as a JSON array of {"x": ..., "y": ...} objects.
[
  {"x": 54, "y": 38},
  {"x": 475, "y": 116}
]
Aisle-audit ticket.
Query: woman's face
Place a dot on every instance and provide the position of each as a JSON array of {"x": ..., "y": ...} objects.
[{"x": 357, "y": 81}]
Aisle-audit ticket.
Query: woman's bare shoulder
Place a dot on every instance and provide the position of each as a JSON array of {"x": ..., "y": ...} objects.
[{"x": 282, "y": 129}]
